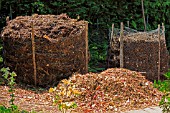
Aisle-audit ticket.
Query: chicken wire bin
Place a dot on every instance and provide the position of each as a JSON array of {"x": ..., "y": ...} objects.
[
  {"x": 59, "y": 48},
  {"x": 144, "y": 52}
]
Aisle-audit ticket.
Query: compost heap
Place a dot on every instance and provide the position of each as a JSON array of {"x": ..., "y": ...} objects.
[
  {"x": 140, "y": 52},
  {"x": 115, "y": 90},
  {"x": 60, "y": 47}
]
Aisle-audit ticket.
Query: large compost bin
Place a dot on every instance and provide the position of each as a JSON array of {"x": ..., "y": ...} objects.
[
  {"x": 60, "y": 47},
  {"x": 140, "y": 52}
]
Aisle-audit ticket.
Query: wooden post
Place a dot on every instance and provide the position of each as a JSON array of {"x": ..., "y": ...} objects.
[
  {"x": 111, "y": 42},
  {"x": 143, "y": 13},
  {"x": 33, "y": 54},
  {"x": 128, "y": 23},
  {"x": 163, "y": 30},
  {"x": 112, "y": 33},
  {"x": 121, "y": 46},
  {"x": 159, "y": 52},
  {"x": 86, "y": 44}
]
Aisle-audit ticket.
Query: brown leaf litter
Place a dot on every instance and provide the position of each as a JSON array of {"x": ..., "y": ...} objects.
[{"x": 113, "y": 90}]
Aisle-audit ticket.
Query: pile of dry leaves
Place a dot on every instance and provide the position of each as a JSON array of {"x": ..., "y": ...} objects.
[{"x": 113, "y": 90}]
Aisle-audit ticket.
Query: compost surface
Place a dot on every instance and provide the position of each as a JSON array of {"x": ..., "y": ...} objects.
[{"x": 113, "y": 90}]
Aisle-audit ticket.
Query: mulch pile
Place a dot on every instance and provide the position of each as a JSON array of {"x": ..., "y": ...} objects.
[
  {"x": 60, "y": 47},
  {"x": 113, "y": 90}
]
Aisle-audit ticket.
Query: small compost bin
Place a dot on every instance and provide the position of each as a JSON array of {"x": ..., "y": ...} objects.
[
  {"x": 60, "y": 48},
  {"x": 144, "y": 52}
]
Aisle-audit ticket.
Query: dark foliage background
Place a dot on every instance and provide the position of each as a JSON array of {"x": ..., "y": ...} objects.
[{"x": 99, "y": 13}]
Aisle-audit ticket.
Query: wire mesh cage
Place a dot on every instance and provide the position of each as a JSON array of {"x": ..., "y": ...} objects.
[
  {"x": 60, "y": 47},
  {"x": 144, "y": 52}
]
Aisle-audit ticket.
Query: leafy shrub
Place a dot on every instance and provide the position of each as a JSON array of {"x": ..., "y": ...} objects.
[
  {"x": 4, "y": 109},
  {"x": 11, "y": 82},
  {"x": 98, "y": 53},
  {"x": 164, "y": 86},
  {"x": 10, "y": 77}
]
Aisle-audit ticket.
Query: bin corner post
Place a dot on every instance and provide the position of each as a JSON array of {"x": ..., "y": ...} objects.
[
  {"x": 86, "y": 46},
  {"x": 121, "y": 45},
  {"x": 159, "y": 52},
  {"x": 33, "y": 54}
]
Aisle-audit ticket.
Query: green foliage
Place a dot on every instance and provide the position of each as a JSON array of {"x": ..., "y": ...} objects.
[
  {"x": 158, "y": 12},
  {"x": 10, "y": 77},
  {"x": 164, "y": 86},
  {"x": 40, "y": 7},
  {"x": 98, "y": 53},
  {"x": 4, "y": 109},
  {"x": 11, "y": 82},
  {"x": 165, "y": 103}
]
